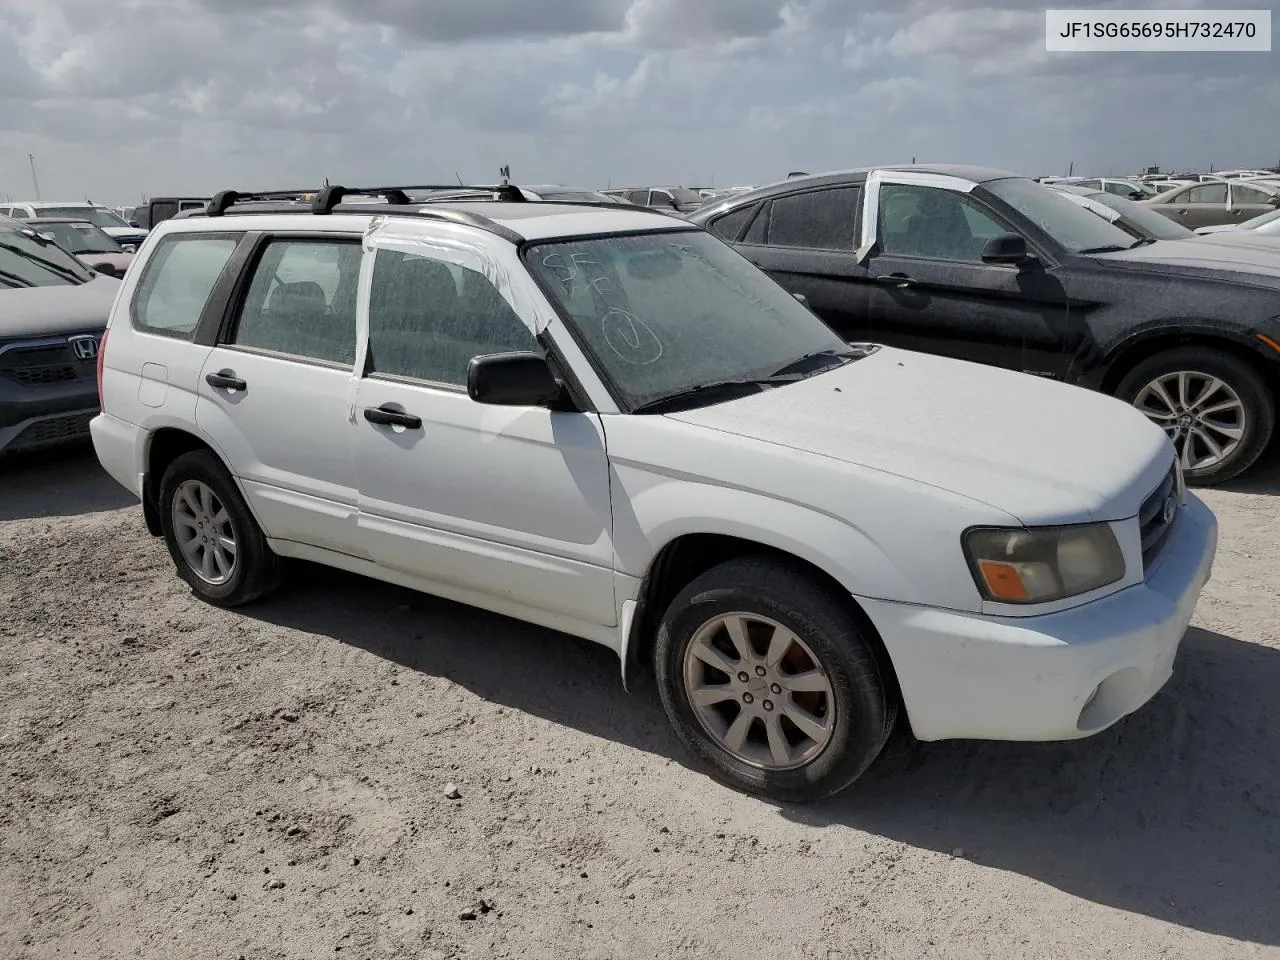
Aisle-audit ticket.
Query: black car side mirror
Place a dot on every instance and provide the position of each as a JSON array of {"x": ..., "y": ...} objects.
[
  {"x": 135, "y": 224},
  {"x": 1006, "y": 248},
  {"x": 521, "y": 379}
]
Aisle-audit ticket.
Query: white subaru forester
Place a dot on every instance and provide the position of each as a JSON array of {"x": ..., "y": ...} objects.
[{"x": 607, "y": 422}]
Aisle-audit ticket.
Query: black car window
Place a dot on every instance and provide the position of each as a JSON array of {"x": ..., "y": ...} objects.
[
  {"x": 639, "y": 196},
  {"x": 933, "y": 223},
  {"x": 302, "y": 300},
  {"x": 429, "y": 318},
  {"x": 730, "y": 225},
  {"x": 1205, "y": 193},
  {"x": 817, "y": 220},
  {"x": 756, "y": 232},
  {"x": 178, "y": 278}
]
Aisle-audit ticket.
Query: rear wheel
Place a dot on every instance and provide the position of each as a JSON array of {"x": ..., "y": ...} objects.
[
  {"x": 768, "y": 680},
  {"x": 1215, "y": 407},
  {"x": 216, "y": 545}
]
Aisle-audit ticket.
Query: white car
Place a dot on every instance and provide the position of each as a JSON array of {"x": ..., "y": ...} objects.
[
  {"x": 609, "y": 423},
  {"x": 128, "y": 236}
]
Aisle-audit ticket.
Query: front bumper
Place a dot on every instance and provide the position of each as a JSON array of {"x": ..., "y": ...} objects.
[{"x": 1060, "y": 676}]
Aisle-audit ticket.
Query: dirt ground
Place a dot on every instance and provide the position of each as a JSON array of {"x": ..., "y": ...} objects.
[{"x": 178, "y": 781}]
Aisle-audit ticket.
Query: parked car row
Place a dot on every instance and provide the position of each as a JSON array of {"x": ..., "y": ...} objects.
[{"x": 602, "y": 419}]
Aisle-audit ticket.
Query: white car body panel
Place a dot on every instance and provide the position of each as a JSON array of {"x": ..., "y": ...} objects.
[{"x": 871, "y": 473}]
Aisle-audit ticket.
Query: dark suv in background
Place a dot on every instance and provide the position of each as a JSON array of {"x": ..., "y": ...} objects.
[
  {"x": 53, "y": 310},
  {"x": 983, "y": 265}
]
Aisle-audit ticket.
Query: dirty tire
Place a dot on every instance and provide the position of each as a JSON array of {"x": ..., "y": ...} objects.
[
  {"x": 257, "y": 569},
  {"x": 1259, "y": 406},
  {"x": 862, "y": 694}
]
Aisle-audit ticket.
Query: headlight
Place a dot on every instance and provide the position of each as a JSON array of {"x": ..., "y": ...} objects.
[{"x": 1043, "y": 564}]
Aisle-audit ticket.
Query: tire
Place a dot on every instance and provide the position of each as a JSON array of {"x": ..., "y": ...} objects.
[
  {"x": 859, "y": 706},
  {"x": 1255, "y": 404},
  {"x": 254, "y": 570}
]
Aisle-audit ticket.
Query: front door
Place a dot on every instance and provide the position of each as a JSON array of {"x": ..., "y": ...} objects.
[
  {"x": 505, "y": 507},
  {"x": 275, "y": 394},
  {"x": 1248, "y": 202},
  {"x": 930, "y": 290}
]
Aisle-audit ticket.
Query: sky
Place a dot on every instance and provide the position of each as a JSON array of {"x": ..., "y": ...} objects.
[{"x": 117, "y": 99}]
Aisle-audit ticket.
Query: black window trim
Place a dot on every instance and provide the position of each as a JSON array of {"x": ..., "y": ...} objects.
[
  {"x": 228, "y": 317},
  {"x": 212, "y": 303}
]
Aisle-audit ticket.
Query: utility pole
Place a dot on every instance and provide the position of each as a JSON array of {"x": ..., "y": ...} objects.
[{"x": 31, "y": 157}]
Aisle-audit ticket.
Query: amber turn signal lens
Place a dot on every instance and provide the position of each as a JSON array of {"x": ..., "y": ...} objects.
[{"x": 1003, "y": 580}]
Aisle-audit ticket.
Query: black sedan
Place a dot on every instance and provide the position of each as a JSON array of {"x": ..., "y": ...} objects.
[{"x": 983, "y": 265}]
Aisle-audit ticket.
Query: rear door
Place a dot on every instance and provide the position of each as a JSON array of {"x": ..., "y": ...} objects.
[
  {"x": 923, "y": 237},
  {"x": 275, "y": 392},
  {"x": 806, "y": 242}
]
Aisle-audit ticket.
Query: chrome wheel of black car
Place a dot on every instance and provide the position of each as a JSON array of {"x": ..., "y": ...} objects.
[{"x": 1203, "y": 415}]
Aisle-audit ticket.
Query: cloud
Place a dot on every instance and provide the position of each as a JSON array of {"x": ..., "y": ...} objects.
[{"x": 155, "y": 96}]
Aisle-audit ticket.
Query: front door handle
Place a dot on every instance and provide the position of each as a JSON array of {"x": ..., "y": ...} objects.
[
  {"x": 899, "y": 280},
  {"x": 226, "y": 380},
  {"x": 386, "y": 417}
]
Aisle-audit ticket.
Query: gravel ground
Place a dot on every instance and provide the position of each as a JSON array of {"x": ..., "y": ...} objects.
[{"x": 178, "y": 781}]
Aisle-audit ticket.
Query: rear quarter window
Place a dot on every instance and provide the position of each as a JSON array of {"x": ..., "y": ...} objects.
[{"x": 177, "y": 281}]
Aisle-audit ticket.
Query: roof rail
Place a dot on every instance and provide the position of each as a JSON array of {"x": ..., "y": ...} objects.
[{"x": 324, "y": 199}]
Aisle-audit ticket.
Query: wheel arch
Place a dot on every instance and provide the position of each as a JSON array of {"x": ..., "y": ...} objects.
[
  {"x": 165, "y": 446},
  {"x": 685, "y": 557},
  {"x": 1145, "y": 344}
]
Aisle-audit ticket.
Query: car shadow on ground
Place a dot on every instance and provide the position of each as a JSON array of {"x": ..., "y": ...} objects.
[
  {"x": 1174, "y": 813},
  {"x": 63, "y": 482}
]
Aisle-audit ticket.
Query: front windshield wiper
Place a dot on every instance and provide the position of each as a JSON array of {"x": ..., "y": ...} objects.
[
  {"x": 59, "y": 269},
  {"x": 15, "y": 280},
  {"x": 706, "y": 391},
  {"x": 1109, "y": 248},
  {"x": 841, "y": 354},
  {"x": 1143, "y": 242}
]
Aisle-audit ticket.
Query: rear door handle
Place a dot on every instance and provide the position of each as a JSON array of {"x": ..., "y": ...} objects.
[
  {"x": 226, "y": 380},
  {"x": 385, "y": 417},
  {"x": 899, "y": 280}
]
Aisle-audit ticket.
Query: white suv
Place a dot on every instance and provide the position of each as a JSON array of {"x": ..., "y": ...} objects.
[{"x": 607, "y": 422}]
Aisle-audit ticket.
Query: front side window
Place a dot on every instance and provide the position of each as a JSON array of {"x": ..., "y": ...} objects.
[
  {"x": 818, "y": 220},
  {"x": 661, "y": 313},
  {"x": 178, "y": 279},
  {"x": 1251, "y": 195},
  {"x": 302, "y": 300},
  {"x": 933, "y": 223},
  {"x": 28, "y": 259},
  {"x": 429, "y": 318},
  {"x": 1207, "y": 193}
]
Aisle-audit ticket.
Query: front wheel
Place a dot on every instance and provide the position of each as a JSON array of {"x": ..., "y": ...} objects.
[
  {"x": 1215, "y": 407},
  {"x": 769, "y": 681}
]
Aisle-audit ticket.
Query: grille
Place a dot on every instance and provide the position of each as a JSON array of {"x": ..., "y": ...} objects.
[
  {"x": 53, "y": 430},
  {"x": 1151, "y": 518},
  {"x": 41, "y": 375}
]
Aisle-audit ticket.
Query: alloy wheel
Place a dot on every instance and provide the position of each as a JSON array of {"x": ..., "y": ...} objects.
[
  {"x": 203, "y": 531},
  {"x": 1201, "y": 413},
  {"x": 759, "y": 691}
]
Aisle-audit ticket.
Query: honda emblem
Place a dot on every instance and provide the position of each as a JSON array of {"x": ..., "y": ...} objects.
[{"x": 85, "y": 348}]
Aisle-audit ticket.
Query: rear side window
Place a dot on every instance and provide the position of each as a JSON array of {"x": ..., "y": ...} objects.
[
  {"x": 819, "y": 220},
  {"x": 178, "y": 280},
  {"x": 729, "y": 227},
  {"x": 302, "y": 300},
  {"x": 429, "y": 318}
]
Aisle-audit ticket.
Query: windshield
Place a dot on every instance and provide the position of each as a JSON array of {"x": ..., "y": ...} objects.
[
  {"x": 1070, "y": 225},
  {"x": 568, "y": 196},
  {"x": 29, "y": 260},
  {"x": 1147, "y": 222},
  {"x": 80, "y": 238},
  {"x": 662, "y": 313},
  {"x": 95, "y": 215}
]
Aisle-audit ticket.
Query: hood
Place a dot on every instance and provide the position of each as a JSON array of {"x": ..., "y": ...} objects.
[
  {"x": 1204, "y": 256},
  {"x": 126, "y": 234},
  {"x": 1041, "y": 451},
  {"x": 52, "y": 311}
]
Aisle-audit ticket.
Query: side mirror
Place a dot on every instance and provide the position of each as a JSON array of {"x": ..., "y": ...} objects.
[
  {"x": 521, "y": 379},
  {"x": 135, "y": 224},
  {"x": 1006, "y": 248}
]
